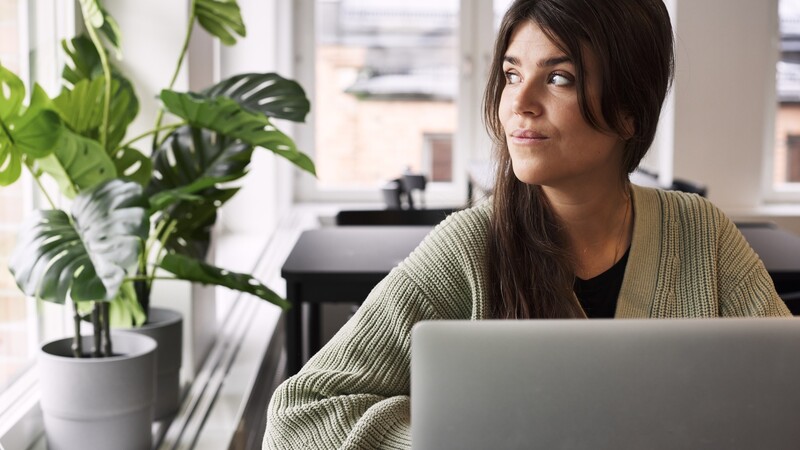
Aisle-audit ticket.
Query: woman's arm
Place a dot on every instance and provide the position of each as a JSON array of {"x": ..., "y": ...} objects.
[
  {"x": 745, "y": 287},
  {"x": 354, "y": 393}
]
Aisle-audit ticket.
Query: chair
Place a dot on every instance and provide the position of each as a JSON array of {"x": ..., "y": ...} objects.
[
  {"x": 413, "y": 182},
  {"x": 392, "y": 192},
  {"x": 398, "y": 193},
  {"x": 393, "y": 216},
  {"x": 645, "y": 177},
  {"x": 792, "y": 301}
]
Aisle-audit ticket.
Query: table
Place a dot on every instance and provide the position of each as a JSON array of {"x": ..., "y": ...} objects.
[
  {"x": 338, "y": 265},
  {"x": 343, "y": 264}
]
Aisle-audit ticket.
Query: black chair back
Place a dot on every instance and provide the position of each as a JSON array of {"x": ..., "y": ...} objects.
[{"x": 393, "y": 216}]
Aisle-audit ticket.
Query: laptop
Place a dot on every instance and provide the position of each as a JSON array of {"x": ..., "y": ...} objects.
[{"x": 606, "y": 384}]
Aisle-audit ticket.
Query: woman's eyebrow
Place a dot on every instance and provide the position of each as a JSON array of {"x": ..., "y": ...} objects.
[
  {"x": 548, "y": 62},
  {"x": 554, "y": 61}
]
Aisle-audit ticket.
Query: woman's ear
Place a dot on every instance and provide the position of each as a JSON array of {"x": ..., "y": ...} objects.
[{"x": 628, "y": 127}]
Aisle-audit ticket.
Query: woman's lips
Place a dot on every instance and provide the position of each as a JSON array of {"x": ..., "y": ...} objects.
[{"x": 522, "y": 136}]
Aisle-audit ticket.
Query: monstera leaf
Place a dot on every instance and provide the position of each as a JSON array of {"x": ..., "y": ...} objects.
[
  {"x": 193, "y": 161},
  {"x": 133, "y": 165},
  {"x": 85, "y": 60},
  {"x": 30, "y": 131},
  {"x": 265, "y": 93},
  {"x": 192, "y": 270},
  {"x": 227, "y": 117},
  {"x": 77, "y": 164},
  {"x": 81, "y": 108},
  {"x": 222, "y": 18},
  {"x": 87, "y": 254},
  {"x": 98, "y": 18}
]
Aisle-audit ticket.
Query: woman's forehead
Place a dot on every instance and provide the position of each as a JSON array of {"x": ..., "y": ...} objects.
[{"x": 528, "y": 36}]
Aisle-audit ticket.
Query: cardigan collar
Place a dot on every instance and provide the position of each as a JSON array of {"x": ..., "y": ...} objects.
[{"x": 645, "y": 261}]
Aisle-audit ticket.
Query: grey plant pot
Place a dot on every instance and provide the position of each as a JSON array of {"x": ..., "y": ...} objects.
[
  {"x": 99, "y": 403},
  {"x": 166, "y": 327}
]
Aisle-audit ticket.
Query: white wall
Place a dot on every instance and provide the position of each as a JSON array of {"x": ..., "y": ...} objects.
[
  {"x": 725, "y": 58},
  {"x": 153, "y": 32},
  {"x": 267, "y": 191},
  {"x": 152, "y": 35}
]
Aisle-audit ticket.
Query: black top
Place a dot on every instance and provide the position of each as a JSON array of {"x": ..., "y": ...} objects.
[{"x": 598, "y": 295}]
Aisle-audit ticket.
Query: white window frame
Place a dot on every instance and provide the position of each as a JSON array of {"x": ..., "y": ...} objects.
[
  {"x": 475, "y": 37},
  {"x": 790, "y": 192},
  {"x": 20, "y": 424}
]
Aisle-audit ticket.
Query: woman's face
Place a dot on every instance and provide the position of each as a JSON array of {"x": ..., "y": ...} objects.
[{"x": 550, "y": 143}]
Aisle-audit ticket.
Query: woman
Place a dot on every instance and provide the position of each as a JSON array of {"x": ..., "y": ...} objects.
[{"x": 572, "y": 102}]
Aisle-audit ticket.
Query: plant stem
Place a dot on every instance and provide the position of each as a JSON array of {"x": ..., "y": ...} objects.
[
  {"x": 39, "y": 183},
  {"x": 6, "y": 131},
  {"x": 106, "y": 324},
  {"x": 97, "y": 326},
  {"x": 163, "y": 243},
  {"x": 148, "y": 278},
  {"x": 101, "y": 52},
  {"x": 77, "y": 342},
  {"x": 184, "y": 49},
  {"x": 154, "y": 131}
]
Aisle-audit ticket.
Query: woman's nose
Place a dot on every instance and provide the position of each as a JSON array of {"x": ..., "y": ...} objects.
[{"x": 526, "y": 100}]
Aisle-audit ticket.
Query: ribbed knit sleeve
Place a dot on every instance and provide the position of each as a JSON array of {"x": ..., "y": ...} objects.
[
  {"x": 354, "y": 393},
  {"x": 745, "y": 287}
]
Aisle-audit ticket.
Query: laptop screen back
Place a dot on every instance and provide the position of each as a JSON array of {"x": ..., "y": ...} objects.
[{"x": 606, "y": 384}]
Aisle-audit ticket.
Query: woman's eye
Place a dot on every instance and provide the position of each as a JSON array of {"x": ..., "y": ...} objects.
[
  {"x": 558, "y": 79},
  {"x": 512, "y": 78}
]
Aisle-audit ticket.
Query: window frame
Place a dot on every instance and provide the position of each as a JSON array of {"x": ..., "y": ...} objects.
[
  {"x": 41, "y": 28},
  {"x": 788, "y": 193}
]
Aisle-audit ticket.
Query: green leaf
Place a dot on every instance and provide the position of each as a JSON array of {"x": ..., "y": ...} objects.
[
  {"x": 125, "y": 311},
  {"x": 81, "y": 108},
  {"x": 86, "y": 255},
  {"x": 227, "y": 117},
  {"x": 189, "y": 269},
  {"x": 110, "y": 30},
  {"x": 77, "y": 164},
  {"x": 24, "y": 132},
  {"x": 92, "y": 13},
  {"x": 85, "y": 60},
  {"x": 36, "y": 130},
  {"x": 193, "y": 161},
  {"x": 124, "y": 109},
  {"x": 163, "y": 199},
  {"x": 221, "y": 18},
  {"x": 12, "y": 92},
  {"x": 133, "y": 165},
  {"x": 265, "y": 93}
]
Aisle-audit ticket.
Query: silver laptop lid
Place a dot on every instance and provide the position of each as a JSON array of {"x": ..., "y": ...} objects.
[{"x": 606, "y": 384}]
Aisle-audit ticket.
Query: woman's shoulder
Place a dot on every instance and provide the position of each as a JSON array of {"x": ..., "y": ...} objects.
[
  {"x": 461, "y": 233},
  {"x": 679, "y": 207}
]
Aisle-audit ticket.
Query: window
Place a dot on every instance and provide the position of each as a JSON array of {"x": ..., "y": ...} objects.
[
  {"x": 30, "y": 31},
  {"x": 393, "y": 88},
  {"x": 786, "y": 153},
  {"x": 14, "y": 354}
]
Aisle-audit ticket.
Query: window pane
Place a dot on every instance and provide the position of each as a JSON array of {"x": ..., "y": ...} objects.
[
  {"x": 14, "y": 348},
  {"x": 787, "y": 119},
  {"x": 386, "y": 87}
]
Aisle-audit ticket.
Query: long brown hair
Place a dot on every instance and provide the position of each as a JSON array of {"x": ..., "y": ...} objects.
[{"x": 530, "y": 272}]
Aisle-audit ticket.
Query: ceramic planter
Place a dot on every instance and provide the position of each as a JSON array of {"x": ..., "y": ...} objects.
[
  {"x": 99, "y": 403},
  {"x": 165, "y": 326}
]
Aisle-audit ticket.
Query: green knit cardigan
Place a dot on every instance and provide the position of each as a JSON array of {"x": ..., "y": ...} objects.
[{"x": 687, "y": 259}]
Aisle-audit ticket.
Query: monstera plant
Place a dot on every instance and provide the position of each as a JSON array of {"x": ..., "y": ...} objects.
[{"x": 141, "y": 209}]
